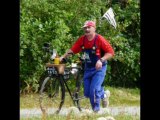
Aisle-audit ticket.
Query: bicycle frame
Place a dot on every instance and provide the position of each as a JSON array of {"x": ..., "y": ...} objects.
[{"x": 53, "y": 72}]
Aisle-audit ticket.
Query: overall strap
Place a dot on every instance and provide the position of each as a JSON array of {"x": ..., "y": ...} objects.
[
  {"x": 94, "y": 45},
  {"x": 82, "y": 46}
]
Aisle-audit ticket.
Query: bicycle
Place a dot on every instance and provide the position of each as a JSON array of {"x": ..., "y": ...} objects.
[{"x": 54, "y": 86}]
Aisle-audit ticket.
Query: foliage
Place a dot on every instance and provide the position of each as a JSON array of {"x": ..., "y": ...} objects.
[
  {"x": 125, "y": 67},
  {"x": 59, "y": 23}
]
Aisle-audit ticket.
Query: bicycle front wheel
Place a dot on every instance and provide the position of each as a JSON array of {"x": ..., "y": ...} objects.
[{"x": 51, "y": 94}]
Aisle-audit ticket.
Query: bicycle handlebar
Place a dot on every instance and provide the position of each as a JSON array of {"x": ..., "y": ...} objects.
[
  {"x": 46, "y": 48},
  {"x": 65, "y": 60}
]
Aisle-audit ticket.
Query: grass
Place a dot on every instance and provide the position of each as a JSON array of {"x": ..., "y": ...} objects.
[
  {"x": 29, "y": 101},
  {"x": 124, "y": 96},
  {"x": 86, "y": 117},
  {"x": 119, "y": 97}
]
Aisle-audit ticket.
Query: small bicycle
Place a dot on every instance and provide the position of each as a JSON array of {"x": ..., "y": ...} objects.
[{"x": 58, "y": 80}]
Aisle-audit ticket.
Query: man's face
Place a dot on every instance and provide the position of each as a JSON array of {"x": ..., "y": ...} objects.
[{"x": 89, "y": 30}]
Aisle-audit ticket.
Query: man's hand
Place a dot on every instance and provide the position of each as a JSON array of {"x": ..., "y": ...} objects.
[
  {"x": 67, "y": 54},
  {"x": 98, "y": 65},
  {"x": 61, "y": 58}
]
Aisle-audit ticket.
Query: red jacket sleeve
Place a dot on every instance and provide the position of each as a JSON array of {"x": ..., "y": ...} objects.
[
  {"x": 105, "y": 45},
  {"x": 76, "y": 47}
]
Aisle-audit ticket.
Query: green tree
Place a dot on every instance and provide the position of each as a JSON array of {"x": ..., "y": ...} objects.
[{"x": 59, "y": 23}]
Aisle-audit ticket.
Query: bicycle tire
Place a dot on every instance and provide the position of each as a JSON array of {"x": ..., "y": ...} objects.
[
  {"x": 80, "y": 100},
  {"x": 41, "y": 79},
  {"x": 52, "y": 94}
]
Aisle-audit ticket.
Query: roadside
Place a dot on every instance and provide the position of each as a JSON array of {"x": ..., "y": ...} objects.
[
  {"x": 130, "y": 110},
  {"x": 124, "y": 105}
]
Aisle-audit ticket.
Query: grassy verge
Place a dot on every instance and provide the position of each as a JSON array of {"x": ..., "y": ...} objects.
[
  {"x": 124, "y": 96},
  {"x": 86, "y": 117},
  {"x": 119, "y": 97}
]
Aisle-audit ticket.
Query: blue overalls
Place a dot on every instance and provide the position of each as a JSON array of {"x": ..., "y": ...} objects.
[{"x": 93, "y": 78}]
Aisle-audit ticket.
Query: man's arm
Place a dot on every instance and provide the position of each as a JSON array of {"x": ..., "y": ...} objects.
[
  {"x": 106, "y": 56},
  {"x": 109, "y": 52},
  {"x": 67, "y": 54},
  {"x": 76, "y": 48}
]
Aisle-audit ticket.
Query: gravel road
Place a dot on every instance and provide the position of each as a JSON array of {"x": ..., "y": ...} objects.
[{"x": 134, "y": 110}]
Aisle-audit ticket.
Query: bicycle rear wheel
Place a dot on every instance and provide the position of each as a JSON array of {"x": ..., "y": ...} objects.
[{"x": 52, "y": 94}]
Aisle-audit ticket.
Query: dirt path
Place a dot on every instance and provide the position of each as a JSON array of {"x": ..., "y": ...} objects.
[{"x": 134, "y": 110}]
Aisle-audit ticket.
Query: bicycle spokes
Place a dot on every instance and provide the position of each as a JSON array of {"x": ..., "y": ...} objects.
[{"x": 50, "y": 94}]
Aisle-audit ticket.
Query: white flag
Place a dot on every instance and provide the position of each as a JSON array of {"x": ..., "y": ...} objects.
[{"x": 109, "y": 15}]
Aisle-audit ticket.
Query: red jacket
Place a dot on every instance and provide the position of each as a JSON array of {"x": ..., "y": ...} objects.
[{"x": 101, "y": 43}]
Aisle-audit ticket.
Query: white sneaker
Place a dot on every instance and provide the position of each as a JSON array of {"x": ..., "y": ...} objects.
[
  {"x": 105, "y": 100},
  {"x": 107, "y": 92}
]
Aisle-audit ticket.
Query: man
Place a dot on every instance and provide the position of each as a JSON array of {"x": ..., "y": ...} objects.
[{"x": 97, "y": 50}]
